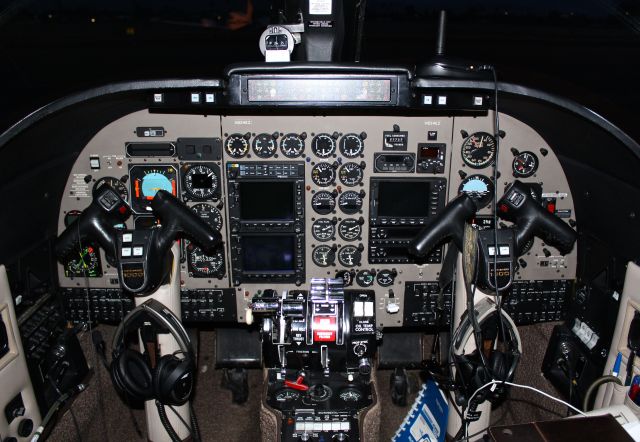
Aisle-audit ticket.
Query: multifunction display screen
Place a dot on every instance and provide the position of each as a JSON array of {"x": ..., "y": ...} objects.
[
  {"x": 268, "y": 254},
  {"x": 267, "y": 200},
  {"x": 404, "y": 198}
]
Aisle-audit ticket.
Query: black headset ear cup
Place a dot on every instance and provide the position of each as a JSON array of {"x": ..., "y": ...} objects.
[
  {"x": 132, "y": 375},
  {"x": 499, "y": 366},
  {"x": 173, "y": 380}
]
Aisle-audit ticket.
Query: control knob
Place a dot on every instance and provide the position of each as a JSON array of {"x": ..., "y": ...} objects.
[
  {"x": 359, "y": 349},
  {"x": 364, "y": 366}
]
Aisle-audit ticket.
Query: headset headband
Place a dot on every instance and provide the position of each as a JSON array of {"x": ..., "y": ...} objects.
[
  {"x": 485, "y": 309},
  {"x": 161, "y": 316}
]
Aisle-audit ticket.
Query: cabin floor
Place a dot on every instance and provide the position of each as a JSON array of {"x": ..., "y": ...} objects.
[{"x": 102, "y": 416}]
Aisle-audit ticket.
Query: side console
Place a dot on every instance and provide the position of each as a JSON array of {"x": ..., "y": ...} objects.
[{"x": 318, "y": 346}]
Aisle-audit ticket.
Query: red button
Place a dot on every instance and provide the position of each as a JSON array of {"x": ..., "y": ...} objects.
[
  {"x": 324, "y": 329},
  {"x": 551, "y": 207}
]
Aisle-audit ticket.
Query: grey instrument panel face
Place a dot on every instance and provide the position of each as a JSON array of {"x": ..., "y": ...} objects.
[{"x": 341, "y": 156}]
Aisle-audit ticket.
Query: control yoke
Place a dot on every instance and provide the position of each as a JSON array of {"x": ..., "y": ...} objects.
[
  {"x": 142, "y": 256},
  {"x": 445, "y": 226},
  {"x": 95, "y": 223},
  {"x": 518, "y": 205}
]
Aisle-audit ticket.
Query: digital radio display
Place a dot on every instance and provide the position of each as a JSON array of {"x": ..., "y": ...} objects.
[{"x": 361, "y": 90}]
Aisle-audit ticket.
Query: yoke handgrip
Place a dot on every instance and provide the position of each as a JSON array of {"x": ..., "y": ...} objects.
[
  {"x": 95, "y": 223},
  {"x": 447, "y": 224},
  {"x": 178, "y": 220},
  {"x": 519, "y": 206}
]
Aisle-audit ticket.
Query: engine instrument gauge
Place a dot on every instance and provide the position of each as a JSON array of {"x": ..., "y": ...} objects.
[
  {"x": 323, "y": 202},
  {"x": 236, "y": 145},
  {"x": 349, "y": 256},
  {"x": 209, "y": 214},
  {"x": 350, "y": 202},
  {"x": 479, "y": 150},
  {"x": 524, "y": 164},
  {"x": 386, "y": 277},
  {"x": 292, "y": 145},
  {"x": 479, "y": 188},
  {"x": 365, "y": 278},
  {"x": 346, "y": 276},
  {"x": 350, "y": 395},
  {"x": 324, "y": 256},
  {"x": 203, "y": 265},
  {"x": 200, "y": 182},
  {"x": 351, "y": 174},
  {"x": 323, "y": 145},
  {"x": 323, "y": 229},
  {"x": 287, "y": 395},
  {"x": 147, "y": 180},
  {"x": 351, "y": 145},
  {"x": 115, "y": 183},
  {"x": 350, "y": 229},
  {"x": 323, "y": 174},
  {"x": 264, "y": 145},
  {"x": 85, "y": 263}
]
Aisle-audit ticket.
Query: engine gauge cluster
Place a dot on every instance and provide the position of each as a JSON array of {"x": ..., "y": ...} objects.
[
  {"x": 324, "y": 229},
  {"x": 323, "y": 174},
  {"x": 237, "y": 145},
  {"x": 292, "y": 144},
  {"x": 351, "y": 174},
  {"x": 324, "y": 255},
  {"x": 323, "y": 145},
  {"x": 352, "y": 145},
  {"x": 265, "y": 145},
  {"x": 350, "y": 202}
]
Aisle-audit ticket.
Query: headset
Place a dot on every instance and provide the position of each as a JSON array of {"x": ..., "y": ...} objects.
[
  {"x": 471, "y": 371},
  {"x": 172, "y": 380}
]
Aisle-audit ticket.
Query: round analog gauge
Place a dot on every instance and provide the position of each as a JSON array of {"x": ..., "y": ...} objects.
[
  {"x": 323, "y": 229},
  {"x": 323, "y": 174},
  {"x": 385, "y": 277},
  {"x": 349, "y": 256},
  {"x": 236, "y": 145},
  {"x": 264, "y": 145},
  {"x": 479, "y": 150},
  {"x": 346, "y": 276},
  {"x": 351, "y": 145},
  {"x": 365, "y": 278},
  {"x": 319, "y": 393},
  {"x": 479, "y": 188},
  {"x": 350, "y": 229},
  {"x": 85, "y": 263},
  {"x": 146, "y": 181},
  {"x": 324, "y": 256},
  {"x": 200, "y": 182},
  {"x": 71, "y": 216},
  {"x": 209, "y": 214},
  {"x": 350, "y": 395},
  {"x": 115, "y": 183},
  {"x": 287, "y": 395},
  {"x": 203, "y": 265},
  {"x": 351, "y": 174},
  {"x": 525, "y": 164},
  {"x": 323, "y": 145},
  {"x": 350, "y": 202},
  {"x": 323, "y": 202},
  {"x": 292, "y": 145}
]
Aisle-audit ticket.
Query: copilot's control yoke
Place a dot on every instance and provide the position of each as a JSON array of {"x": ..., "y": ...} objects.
[{"x": 497, "y": 263}]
